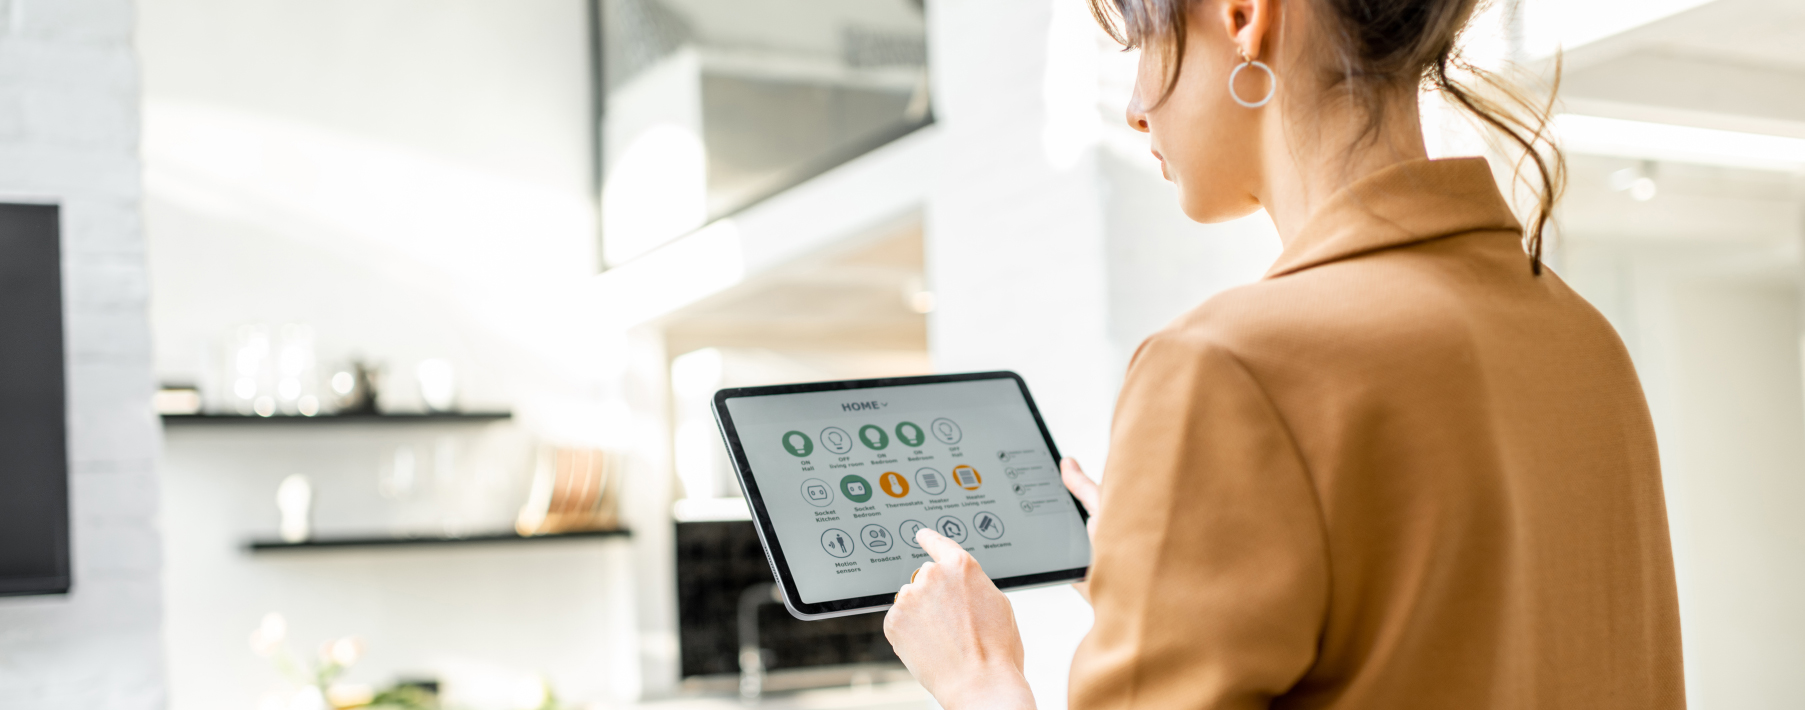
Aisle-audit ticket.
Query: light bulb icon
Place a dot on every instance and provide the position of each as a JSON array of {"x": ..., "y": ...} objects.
[
  {"x": 910, "y": 434},
  {"x": 836, "y": 440},
  {"x": 874, "y": 437},
  {"x": 798, "y": 444},
  {"x": 946, "y": 431}
]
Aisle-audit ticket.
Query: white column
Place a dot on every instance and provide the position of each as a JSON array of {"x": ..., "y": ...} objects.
[{"x": 1053, "y": 246}]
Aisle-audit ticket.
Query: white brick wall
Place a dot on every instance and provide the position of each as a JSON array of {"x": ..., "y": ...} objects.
[{"x": 69, "y": 133}]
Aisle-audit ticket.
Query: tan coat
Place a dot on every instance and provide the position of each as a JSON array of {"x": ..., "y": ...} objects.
[{"x": 1398, "y": 472}]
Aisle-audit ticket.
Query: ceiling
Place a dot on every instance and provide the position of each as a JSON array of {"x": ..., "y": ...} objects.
[{"x": 1728, "y": 64}]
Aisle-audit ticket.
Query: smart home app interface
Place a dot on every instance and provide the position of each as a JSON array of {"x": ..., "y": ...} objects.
[{"x": 849, "y": 476}]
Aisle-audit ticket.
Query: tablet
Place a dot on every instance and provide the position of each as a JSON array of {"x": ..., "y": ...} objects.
[{"x": 840, "y": 475}]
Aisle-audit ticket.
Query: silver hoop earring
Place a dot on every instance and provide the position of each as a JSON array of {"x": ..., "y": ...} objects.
[{"x": 1272, "y": 86}]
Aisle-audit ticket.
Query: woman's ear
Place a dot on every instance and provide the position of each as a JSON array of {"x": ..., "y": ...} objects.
[{"x": 1247, "y": 22}]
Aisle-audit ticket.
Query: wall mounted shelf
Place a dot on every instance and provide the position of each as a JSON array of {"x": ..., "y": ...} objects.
[
  {"x": 339, "y": 543},
  {"x": 241, "y": 420}
]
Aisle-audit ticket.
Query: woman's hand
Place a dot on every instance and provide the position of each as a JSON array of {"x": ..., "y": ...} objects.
[
  {"x": 1085, "y": 490},
  {"x": 956, "y": 632}
]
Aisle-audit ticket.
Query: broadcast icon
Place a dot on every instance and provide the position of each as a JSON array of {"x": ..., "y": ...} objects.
[{"x": 877, "y": 538}]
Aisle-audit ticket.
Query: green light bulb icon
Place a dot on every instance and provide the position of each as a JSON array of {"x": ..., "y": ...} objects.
[
  {"x": 910, "y": 434},
  {"x": 874, "y": 437},
  {"x": 798, "y": 444}
]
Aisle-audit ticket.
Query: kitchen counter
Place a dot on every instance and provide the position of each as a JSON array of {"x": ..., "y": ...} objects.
[{"x": 905, "y": 695}]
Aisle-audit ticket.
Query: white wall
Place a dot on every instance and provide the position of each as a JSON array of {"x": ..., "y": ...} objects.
[
  {"x": 410, "y": 177},
  {"x": 69, "y": 134},
  {"x": 1702, "y": 282},
  {"x": 1713, "y": 323},
  {"x": 1053, "y": 245},
  {"x": 468, "y": 615},
  {"x": 413, "y": 179},
  {"x": 1736, "y": 449}
]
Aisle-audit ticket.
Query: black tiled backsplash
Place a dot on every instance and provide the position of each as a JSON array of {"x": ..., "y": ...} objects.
[{"x": 718, "y": 560}]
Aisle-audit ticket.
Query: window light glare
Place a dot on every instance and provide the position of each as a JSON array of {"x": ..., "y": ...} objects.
[
  {"x": 1639, "y": 181},
  {"x": 1597, "y": 135}
]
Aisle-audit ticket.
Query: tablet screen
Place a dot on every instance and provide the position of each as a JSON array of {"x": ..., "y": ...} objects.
[{"x": 847, "y": 476}]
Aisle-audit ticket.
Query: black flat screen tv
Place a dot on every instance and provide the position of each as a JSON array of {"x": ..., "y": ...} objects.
[{"x": 34, "y": 469}]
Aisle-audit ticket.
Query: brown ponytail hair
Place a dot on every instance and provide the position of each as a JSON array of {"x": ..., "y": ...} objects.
[{"x": 1377, "y": 49}]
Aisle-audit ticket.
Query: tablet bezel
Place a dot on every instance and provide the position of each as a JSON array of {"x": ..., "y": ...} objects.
[{"x": 767, "y": 535}]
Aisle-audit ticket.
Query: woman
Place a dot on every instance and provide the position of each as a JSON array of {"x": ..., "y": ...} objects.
[{"x": 1409, "y": 468}]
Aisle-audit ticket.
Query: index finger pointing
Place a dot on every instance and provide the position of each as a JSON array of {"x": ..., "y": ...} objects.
[{"x": 938, "y": 546}]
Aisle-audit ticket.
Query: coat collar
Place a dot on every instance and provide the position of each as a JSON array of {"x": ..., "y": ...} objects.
[{"x": 1402, "y": 204}]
